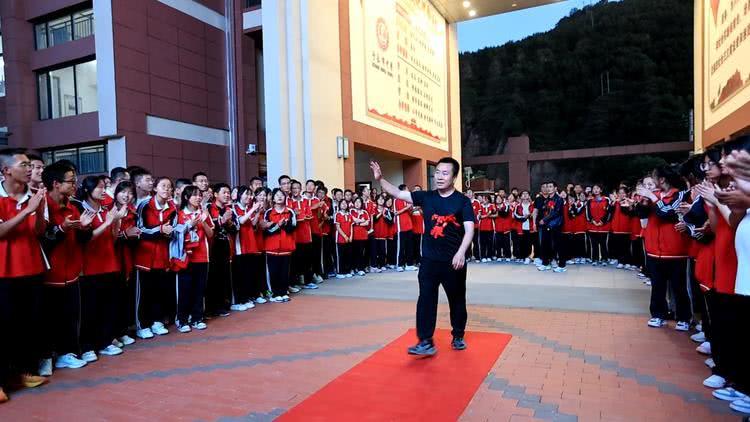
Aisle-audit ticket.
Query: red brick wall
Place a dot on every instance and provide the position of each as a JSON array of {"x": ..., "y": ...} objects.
[{"x": 171, "y": 65}]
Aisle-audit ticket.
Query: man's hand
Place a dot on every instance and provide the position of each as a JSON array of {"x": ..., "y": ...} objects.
[
  {"x": 459, "y": 260},
  {"x": 86, "y": 218},
  {"x": 377, "y": 174},
  {"x": 680, "y": 227},
  {"x": 70, "y": 224},
  {"x": 36, "y": 200}
]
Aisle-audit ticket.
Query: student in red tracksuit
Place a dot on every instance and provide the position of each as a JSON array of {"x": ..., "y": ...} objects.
[
  {"x": 619, "y": 239},
  {"x": 667, "y": 249},
  {"x": 302, "y": 273},
  {"x": 576, "y": 210},
  {"x": 361, "y": 221},
  {"x": 382, "y": 222},
  {"x": 526, "y": 227},
  {"x": 371, "y": 206},
  {"x": 264, "y": 284},
  {"x": 325, "y": 216},
  {"x": 154, "y": 285},
  {"x": 487, "y": 214},
  {"x": 316, "y": 255},
  {"x": 503, "y": 221},
  {"x": 125, "y": 244},
  {"x": 279, "y": 223},
  {"x": 22, "y": 267},
  {"x": 417, "y": 222},
  {"x": 62, "y": 242},
  {"x": 344, "y": 232},
  {"x": 194, "y": 228},
  {"x": 476, "y": 205},
  {"x": 392, "y": 240},
  {"x": 568, "y": 228},
  {"x": 248, "y": 267},
  {"x": 100, "y": 273},
  {"x": 404, "y": 234},
  {"x": 599, "y": 215}
]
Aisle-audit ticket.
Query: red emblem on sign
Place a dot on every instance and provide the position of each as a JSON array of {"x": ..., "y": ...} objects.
[{"x": 382, "y": 32}]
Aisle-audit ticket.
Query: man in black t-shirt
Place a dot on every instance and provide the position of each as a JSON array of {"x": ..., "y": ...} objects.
[{"x": 449, "y": 229}]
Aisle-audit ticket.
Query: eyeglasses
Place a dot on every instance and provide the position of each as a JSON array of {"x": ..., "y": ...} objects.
[
  {"x": 707, "y": 166},
  {"x": 73, "y": 181}
]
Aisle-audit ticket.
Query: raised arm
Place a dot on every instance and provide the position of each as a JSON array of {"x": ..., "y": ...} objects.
[{"x": 387, "y": 186}]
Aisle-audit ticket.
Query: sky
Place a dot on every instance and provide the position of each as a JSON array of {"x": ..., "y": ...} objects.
[{"x": 499, "y": 29}]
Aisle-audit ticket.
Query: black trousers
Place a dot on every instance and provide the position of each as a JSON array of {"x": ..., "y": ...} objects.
[
  {"x": 619, "y": 247},
  {"x": 154, "y": 299},
  {"x": 599, "y": 250},
  {"x": 372, "y": 249},
  {"x": 404, "y": 248},
  {"x": 391, "y": 247},
  {"x": 552, "y": 247},
  {"x": 577, "y": 245},
  {"x": 486, "y": 248},
  {"x": 191, "y": 291},
  {"x": 638, "y": 256},
  {"x": 416, "y": 253},
  {"x": 316, "y": 256},
  {"x": 522, "y": 244},
  {"x": 20, "y": 316},
  {"x": 98, "y": 311},
  {"x": 125, "y": 304},
  {"x": 359, "y": 254},
  {"x": 344, "y": 264},
  {"x": 431, "y": 275},
  {"x": 502, "y": 245},
  {"x": 381, "y": 255},
  {"x": 62, "y": 318},
  {"x": 278, "y": 272},
  {"x": 302, "y": 264},
  {"x": 329, "y": 252},
  {"x": 665, "y": 274},
  {"x": 729, "y": 348},
  {"x": 249, "y": 279},
  {"x": 219, "y": 288},
  {"x": 536, "y": 241},
  {"x": 473, "y": 251}
]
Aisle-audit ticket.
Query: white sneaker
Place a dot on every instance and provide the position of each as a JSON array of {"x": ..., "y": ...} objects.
[
  {"x": 111, "y": 350},
  {"x": 200, "y": 325},
  {"x": 704, "y": 348},
  {"x": 117, "y": 343},
  {"x": 484, "y": 260},
  {"x": 89, "y": 356},
  {"x": 656, "y": 322},
  {"x": 527, "y": 261},
  {"x": 714, "y": 381},
  {"x": 647, "y": 281},
  {"x": 249, "y": 305},
  {"x": 261, "y": 300},
  {"x": 310, "y": 286},
  {"x": 144, "y": 333},
  {"x": 293, "y": 289},
  {"x": 361, "y": 273},
  {"x": 728, "y": 394},
  {"x": 400, "y": 269},
  {"x": 544, "y": 268},
  {"x": 508, "y": 259},
  {"x": 682, "y": 326},
  {"x": 375, "y": 270},
  {"x": 158, "y": 329},
  {"x": 602, "y": 264},
  {"x": 285, "y": 298},
  {"x": 411, "y": 268},
  {"x": 350, "y": 275},
  {"x": 698, "y": 337},
  {"x": 69, "y": 361},
  {"x": 184, "y": 328},
  {"x": 560, "y": 270},
  {"x": 620, "y": 266},
  {"x": 570, "y": 262},
  {"x": 698, "y": 327},
  {"x": 45, "y": 367},
  {"x": 710, "y": 363},
  {"x": 276, "y": 299},
  {"x": 741, "y": 405},
  {"x": 127, "y": 340},
  {"x": 538, "y": 261},
  {"x": 238, "y": 307},
  {"x": 339, "y": 276}
]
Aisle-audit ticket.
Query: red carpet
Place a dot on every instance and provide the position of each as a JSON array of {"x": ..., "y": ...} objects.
[{"x": 391, "y": 385}]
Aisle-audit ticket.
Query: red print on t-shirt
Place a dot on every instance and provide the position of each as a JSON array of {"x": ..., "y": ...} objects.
[{"x": 441, "y": 222}]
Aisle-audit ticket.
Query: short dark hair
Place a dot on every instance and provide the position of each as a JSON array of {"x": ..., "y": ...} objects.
[
  {"x": 182, "y": 182},
  {"x": 452, "y": 161},
  {"x": 6, "y": 156},
  {"x": 282, "y": 177},
  {"x": 117, "y": 172},
  {"x": 139, "y": 172},
  {"x": 296, "y": 182},
  {"x": 218, "y": 186},
  {"x": 402, "y": 187},
  {"x": 348, "y": 191},
  {"x": 34, "y": 157},
  {"x": 125, "y": 184},
  {"x": 324, "y": 189},
  {"x": 200, "y": 173},
  {"x": 254, "y": 178},
  {"x": 55, "y": 172},
  {"x": 336, "y": 190}
]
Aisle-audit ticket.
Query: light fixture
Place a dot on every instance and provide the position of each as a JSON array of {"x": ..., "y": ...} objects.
[
  {"x": 472, "y": 13},
  {"x": 342, "y": 147},
  {"x": 467, "y": 4},
  {"x": 514, "y": 5}
]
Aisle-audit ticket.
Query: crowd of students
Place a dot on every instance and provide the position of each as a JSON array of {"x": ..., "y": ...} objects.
[{"x": 87, "y": 265}]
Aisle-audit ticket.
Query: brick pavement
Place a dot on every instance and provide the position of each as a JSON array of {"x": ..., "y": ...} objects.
[{"x": 252, "y": 366}]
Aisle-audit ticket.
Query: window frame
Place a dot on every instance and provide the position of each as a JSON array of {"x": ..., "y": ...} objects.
[
  {"x": 51, "y": 154},
  {"x": 46, "y": 72},
  {"x": 71, "y": 21}
]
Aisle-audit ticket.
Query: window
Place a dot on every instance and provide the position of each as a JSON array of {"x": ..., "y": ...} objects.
[
  {"x": 88, "y": 159},
  {"x": 65, "y": 28},
  {"x": 4, "y": 135},
  {"x": 68, "y": 91}
]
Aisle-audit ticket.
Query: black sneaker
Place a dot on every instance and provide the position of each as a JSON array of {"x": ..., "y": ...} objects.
[
  {"x": 423, "y": 348},
  {"x": 223, "y": 313},
  {"x": 458, "y": 343}
]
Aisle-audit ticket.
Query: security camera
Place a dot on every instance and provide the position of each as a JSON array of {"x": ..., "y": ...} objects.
[{"x": 252, "y": 149}]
